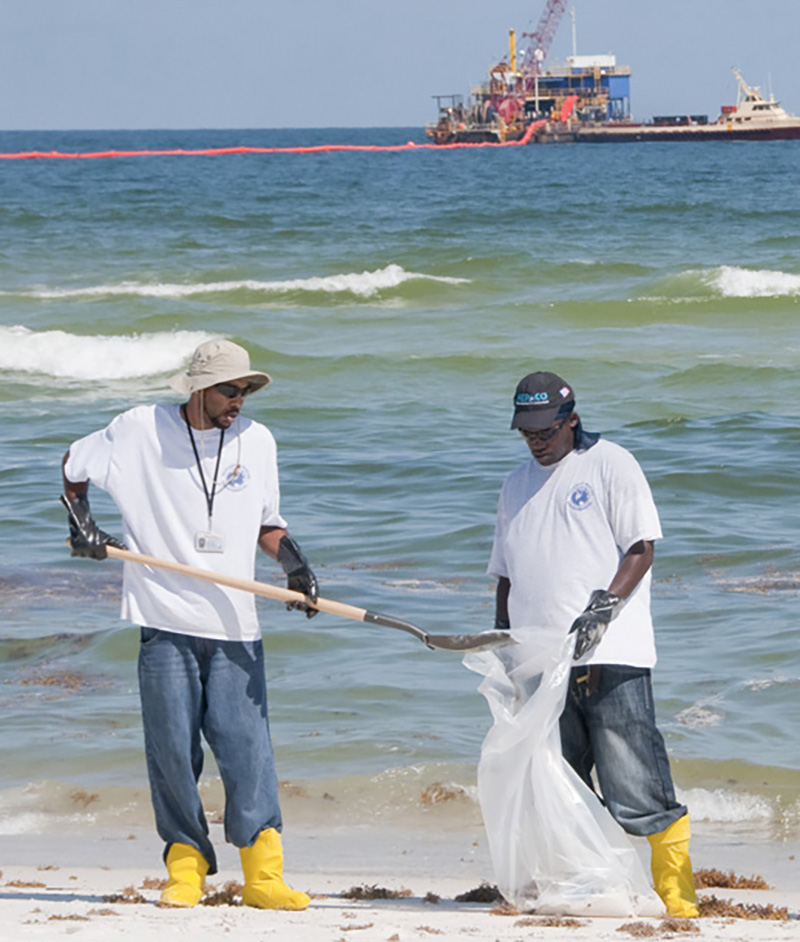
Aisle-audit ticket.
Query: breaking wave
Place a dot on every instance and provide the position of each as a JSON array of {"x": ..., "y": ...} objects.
[
  {"x": 70, "y": 356},
  {"x": 364, "y": 285},
  {"x": 733, "y": 282},
  {"x": 726, "y": 281},
  {"x": 726, "y": 807}
]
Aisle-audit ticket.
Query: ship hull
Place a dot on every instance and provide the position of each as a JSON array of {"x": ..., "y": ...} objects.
[
  {"x": 618, "y": 135},
  {"x": 610, "y": 134}
]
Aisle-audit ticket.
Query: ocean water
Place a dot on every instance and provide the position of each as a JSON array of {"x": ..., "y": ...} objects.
[{"x": 396, "y": 299}]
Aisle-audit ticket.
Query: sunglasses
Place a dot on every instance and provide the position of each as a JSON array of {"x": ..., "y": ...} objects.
[
  {"x": 231, "y": 390},
  {"x": 545, "y": 434}
]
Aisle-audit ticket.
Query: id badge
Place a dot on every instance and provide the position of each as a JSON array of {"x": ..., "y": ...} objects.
[{"x": 206, "y": 541}]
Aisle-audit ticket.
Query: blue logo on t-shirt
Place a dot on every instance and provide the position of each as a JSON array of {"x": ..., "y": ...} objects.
[
  {"x": 236, "y": 477},
  {"x": 581, "y": 497}
]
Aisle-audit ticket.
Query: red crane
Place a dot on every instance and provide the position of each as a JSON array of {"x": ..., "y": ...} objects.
[
  {"x": 509, "y": 88},
  {"x": 542, "y": 38}
]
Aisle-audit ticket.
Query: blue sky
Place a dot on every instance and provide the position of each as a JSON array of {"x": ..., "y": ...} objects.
[{"x": 339, "y": 63}]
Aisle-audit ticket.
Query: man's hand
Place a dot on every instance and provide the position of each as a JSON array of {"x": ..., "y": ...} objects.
[
  {"x": 300, "y": 578},
  {"x": 591, "y": 624},
  {"x": 86, "y": 538}
]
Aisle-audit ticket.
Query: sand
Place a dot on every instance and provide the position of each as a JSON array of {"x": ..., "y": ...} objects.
[{"x": 53, "y": 886}]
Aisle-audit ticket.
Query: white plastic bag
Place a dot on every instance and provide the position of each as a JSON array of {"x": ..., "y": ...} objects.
[{"x": 554, "y": 847}]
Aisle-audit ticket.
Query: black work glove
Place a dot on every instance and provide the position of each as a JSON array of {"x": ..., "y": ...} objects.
[
  {"x": 591, "y": 624},
  {"x": 300, "y": 576},
  {"x": 85, "y": 537}
]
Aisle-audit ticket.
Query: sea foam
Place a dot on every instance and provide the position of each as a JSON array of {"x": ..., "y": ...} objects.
[
  {"x": 726, "y": 807},
  {"x": 733, "y": 282},
  {"x": 364, "y": 284},
  {"x": 699, "y": 715},
  {"x": 70, "y": 356}
]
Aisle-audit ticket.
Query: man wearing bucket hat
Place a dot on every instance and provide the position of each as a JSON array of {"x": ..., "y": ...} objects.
[
  {"x": 574, "y": 547},
  {"x": 198, "y": 483}
]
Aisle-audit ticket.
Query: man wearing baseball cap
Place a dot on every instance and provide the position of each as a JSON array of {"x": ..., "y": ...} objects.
[
  {"x": 573, "y": 546},
  {"x": 197, "y": 483}
]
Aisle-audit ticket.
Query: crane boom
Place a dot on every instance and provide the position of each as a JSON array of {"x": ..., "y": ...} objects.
[{"x": 543, "y": 36}]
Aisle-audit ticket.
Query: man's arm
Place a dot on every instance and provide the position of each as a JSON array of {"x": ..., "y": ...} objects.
[
  {"x": 276, "y": 543},
  {"x": 85, "y": 537},
  {"x": 269, "y": 539},
  {"x": 632, "y": 568},
  {"x": 501, "y": 620},
  {"x": 72, "y": 489}
]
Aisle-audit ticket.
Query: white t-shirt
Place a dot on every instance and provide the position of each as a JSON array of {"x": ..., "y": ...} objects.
[
  {"x": 562, "y": 531},
  {"x": 145, "y": 460}
]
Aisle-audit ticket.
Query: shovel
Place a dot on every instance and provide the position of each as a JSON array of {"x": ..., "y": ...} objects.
[{"x": 469, "y": 642}]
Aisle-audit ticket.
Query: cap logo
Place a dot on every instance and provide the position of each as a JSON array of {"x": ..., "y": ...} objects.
[
  {"x": 531, "y": 399},
  {"x": 565, "y": 392}
]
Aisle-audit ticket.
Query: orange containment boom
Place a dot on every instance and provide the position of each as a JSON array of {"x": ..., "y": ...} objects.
[
  {"x": 567, "y": 108},
  {"x": 225, "y": 151}
]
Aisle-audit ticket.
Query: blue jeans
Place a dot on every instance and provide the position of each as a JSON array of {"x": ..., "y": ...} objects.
[
  {"x": 188, "y": 686},
  {"x": 609, "y": 723}
]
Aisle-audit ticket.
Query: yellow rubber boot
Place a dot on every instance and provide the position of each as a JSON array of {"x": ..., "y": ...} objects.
[
  {"x": 262, "y": 865},
  {"x": 187, "y": 869},
  {"x": 672, "y": 869}
]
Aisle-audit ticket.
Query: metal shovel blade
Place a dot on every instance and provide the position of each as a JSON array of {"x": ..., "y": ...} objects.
[
  {"x": 481, "y": 641},
  {"x": 472, "y": 642}
]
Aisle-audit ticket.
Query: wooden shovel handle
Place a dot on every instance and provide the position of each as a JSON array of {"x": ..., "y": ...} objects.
[{"x": 235, "y": 582}]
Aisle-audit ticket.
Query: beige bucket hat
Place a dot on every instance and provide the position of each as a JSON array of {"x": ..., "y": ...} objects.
[{"x": 217, "y": 361}]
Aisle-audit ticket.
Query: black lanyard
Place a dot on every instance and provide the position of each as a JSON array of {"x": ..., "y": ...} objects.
[{"x": 209, "y": 497}]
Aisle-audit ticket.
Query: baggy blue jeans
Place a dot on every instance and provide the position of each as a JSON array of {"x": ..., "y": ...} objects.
[
  {"x": 609, "y": 724},
  {"x": 191, "y": 685}
]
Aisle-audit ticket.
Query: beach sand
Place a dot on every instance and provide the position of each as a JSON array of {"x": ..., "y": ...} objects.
[{"x": 104, "y": 885}]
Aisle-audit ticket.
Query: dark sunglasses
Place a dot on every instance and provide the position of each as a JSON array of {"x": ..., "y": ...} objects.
[
  {"x": 231, "y": 390},
  {"x": 545, "y": 434}
]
